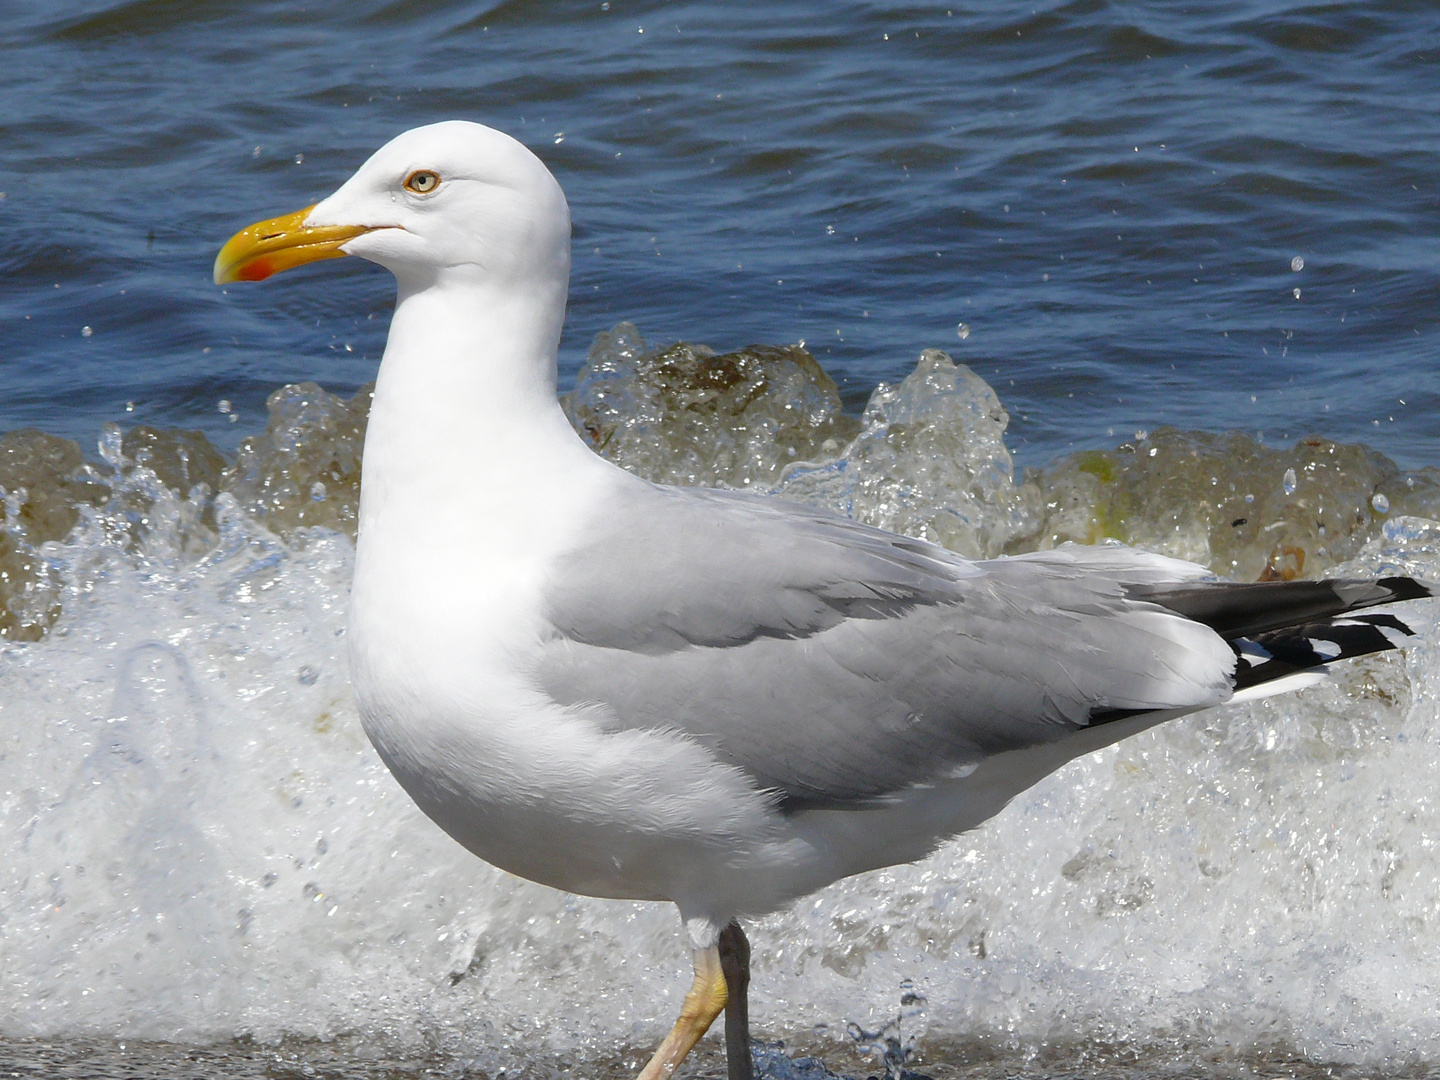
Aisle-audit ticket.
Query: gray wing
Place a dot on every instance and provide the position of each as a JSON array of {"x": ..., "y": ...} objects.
[{"x": 836, "y": 663}]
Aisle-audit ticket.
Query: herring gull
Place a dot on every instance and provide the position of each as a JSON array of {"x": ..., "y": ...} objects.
[{"x": 721, "y": 700}]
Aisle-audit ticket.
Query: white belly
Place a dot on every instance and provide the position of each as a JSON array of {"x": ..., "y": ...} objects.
[{"x": 532, "y": 787}]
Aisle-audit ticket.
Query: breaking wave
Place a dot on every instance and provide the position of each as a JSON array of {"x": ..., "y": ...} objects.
[{"x": 203, "y": 845}]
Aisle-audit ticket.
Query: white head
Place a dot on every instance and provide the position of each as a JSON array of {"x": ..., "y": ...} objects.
[{"x": 450, "y": 202}]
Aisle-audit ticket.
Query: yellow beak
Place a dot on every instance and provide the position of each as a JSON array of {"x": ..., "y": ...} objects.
[{"x": 267, "y": 247}]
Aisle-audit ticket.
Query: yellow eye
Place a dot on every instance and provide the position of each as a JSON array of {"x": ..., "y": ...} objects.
[{"x": 422, "y": 181}]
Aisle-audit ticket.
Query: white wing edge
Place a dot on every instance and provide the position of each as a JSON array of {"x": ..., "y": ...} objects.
[{"x": 1297, "y": 681}]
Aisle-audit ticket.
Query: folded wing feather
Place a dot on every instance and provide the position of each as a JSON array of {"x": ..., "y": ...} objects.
[{"x": 836, "y": 663}]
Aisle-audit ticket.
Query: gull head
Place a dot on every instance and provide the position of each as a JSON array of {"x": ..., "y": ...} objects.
[{"x": 454, "y": 201}]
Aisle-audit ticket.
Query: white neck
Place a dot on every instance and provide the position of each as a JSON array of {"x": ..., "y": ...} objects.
[{"x": 465, "y": 415}]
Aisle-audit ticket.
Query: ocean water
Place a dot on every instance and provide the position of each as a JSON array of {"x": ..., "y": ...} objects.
[
  {"x": 1110, "y": 197},
  {"x": 1180, "y": 260}
]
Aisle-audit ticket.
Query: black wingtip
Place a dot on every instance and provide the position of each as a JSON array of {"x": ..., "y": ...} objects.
[
  {"x": 1315, "y": 646},
  {"x": 1404, "y": 588}
]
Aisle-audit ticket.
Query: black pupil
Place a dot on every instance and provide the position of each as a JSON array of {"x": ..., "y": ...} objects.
[{"x": 423, "y": 181}]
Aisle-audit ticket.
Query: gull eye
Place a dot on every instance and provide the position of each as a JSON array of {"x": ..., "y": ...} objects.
[{"x": 422, "y": 181}]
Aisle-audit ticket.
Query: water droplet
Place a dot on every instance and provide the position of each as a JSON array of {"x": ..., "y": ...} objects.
[
  {"x": 829, "y": 230},
  {"x": 129, "y": 406},
  {"x": 1380, "y": 503},
  {"x": 605, "y": 6},
  {"x": 559, "y": 137},
  {"x": 1288, "y": 482},
  {"x": 317, "y": 491},
  {"x": 224, "y": 406},
  {"x": 963, "y": 331},
  {"x": 1297, "y": 293},
  {"x": 299, "y": 159},
  {"x": 1297, "y": 263},
  {"x": 308, "y": 675},
  {"x": 86, "y": 331},
  {"x": 255, "y": 152},
  {"x": 111, "y": 440}
]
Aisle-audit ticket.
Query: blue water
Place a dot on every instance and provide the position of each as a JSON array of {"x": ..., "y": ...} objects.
[{"x": 1110, "y": 196}]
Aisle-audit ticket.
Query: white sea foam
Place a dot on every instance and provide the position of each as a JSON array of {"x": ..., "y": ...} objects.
[{"x": 201, "y": 844}]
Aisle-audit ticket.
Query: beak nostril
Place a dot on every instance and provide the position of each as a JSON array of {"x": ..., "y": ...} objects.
[{"x": 271, "y": 236}]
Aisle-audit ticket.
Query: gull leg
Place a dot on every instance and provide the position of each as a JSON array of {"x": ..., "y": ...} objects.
[
  {"x": 735, "y": 963},
  {"x": 704, "y": 1002}
]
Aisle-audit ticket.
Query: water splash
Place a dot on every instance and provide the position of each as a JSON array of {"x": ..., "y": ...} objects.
[
  {"x": 203, "y": 845},
  {"x": 686, "y": 415},
  {"x": 894, "y": 1043},
  {"x": 929, "y": 460}
]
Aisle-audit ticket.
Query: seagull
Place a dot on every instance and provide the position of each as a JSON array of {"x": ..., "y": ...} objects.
[{"x": 707, "y": 697}]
